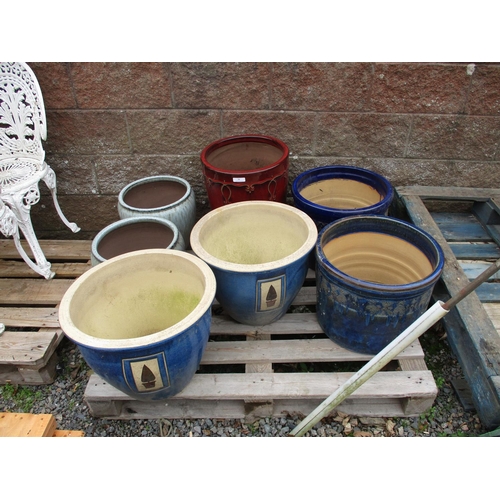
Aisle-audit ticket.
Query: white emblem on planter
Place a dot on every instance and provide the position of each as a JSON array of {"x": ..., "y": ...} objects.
[
  {"x": 270, "y": 293},
  {"x": 146, "y": 374}
]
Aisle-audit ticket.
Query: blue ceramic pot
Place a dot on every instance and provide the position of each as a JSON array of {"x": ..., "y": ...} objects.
[
  {"x": 374, "y": 277},
  {"x": 332, "y": 192},
  {"x": 142, "y": 320},
  {"x": 133, "y": 234},
  {"x": 164, "y": 196},
  {"x": 258, "y": 251}
]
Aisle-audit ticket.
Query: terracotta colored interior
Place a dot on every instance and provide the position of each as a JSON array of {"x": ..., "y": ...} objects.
[
  {"x": 244, "y": 156},
  {"x": 253, "y": 235},
  {"x": 346, "y": 194},
  {"x": 135, "y": 236},
  {"x": 378, "y": 258},
  {"x": 159, "y": 193},
  {"x": 137, "y": 297}
]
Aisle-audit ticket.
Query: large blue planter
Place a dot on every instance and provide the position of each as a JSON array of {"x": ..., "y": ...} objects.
[
  {"x": 142, "y": 320},
  {"x": 375, "y": 276},
  {"x": 258, "y": 251},
  {"x": 333, "y": 192}
]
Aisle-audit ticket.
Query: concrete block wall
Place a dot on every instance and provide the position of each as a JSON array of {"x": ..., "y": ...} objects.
[{"x": 112, "y": 123}]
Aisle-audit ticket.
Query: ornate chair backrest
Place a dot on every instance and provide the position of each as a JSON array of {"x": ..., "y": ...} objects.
[{"x": 22, "y": 113}]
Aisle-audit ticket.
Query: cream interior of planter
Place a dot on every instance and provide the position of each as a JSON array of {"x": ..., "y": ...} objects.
[
  {"x": 378, "y": 258},
  {"x": 255, "y": 234},
  {"x": 345, "y": 194},
  {"x": 155, "y": 293}
]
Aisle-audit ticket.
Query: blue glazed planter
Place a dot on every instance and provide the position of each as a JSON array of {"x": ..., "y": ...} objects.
[
  {"x": 142, "y": 320},
  {"x": 333, "y": 192},
  {"x": 164, "y": 196},
  {"x": 258, "y": 251},
  {"x": 374, "y": 277}
]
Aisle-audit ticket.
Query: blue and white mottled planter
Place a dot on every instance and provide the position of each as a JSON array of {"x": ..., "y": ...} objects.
[
  {"x": 258, "y": 251},
  {"x": 133, "y": 234},
  {"x": 347, "y": 191},
  {"x": 142, "y": 320},
  {"x": 374, "y": 277},
  {"x": 164, "y": 196}
]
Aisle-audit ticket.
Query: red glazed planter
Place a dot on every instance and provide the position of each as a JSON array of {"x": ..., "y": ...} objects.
[{"x": 245, "y": 168}]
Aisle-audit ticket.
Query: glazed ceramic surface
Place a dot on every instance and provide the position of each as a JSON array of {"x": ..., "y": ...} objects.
[
  {"x": 259, "y": 254},
  {"x": 244, "y": 168},
  {"x": 375, "y": 276},
  {"x": 142, "y": 320},
  {"x": 132, "y": 234},
  {"x": 332, "y": 192},
  {"x": 164, "y": 196}
]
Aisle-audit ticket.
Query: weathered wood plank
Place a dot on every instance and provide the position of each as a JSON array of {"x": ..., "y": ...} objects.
[
  {"x": 27, "y": 348},
  {"x": 290, "y": 323},
  {"x": 289, "y": 351},
  {"x": 466, "y": 250},
  {"x": 19, "y": 269},
  {"x": 30, "y": 317},
  {"x": 448, "y": 193},
  {"x": 284, "y": 386},
  {"x": 460, "y": 227},
  {"x": 32, "y": 291},
  {"x": 53, "y": 249}
]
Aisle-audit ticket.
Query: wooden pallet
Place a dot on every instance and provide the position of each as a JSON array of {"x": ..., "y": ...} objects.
[
  {"x": 252, "y": 372},
  {"x": 466, "y": 223},
  {"x": 246, "y": 372},
  {"x": 28, "y": 309},
  {"x": 31, "y": 425}
]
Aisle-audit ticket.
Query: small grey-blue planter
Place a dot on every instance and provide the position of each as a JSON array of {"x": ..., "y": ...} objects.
[
  {"x": 142, "y": 320},
  {"x": 258, "y": 251},
  {"x": 333, "y": 192},
  {"x": 133, "y": 234},
  {"x": 164, "y": 196},
  {"x": 374, "y": 277}
]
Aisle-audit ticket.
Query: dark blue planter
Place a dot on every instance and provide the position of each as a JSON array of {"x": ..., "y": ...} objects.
[
  {"x": 323, "y": 214},
  {"x": 142, "y": 320},
  {"x": 362, "y": 315}
]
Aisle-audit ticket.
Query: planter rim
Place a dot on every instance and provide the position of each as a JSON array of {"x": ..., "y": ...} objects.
[
  {"x": 342, "y": 169},
  {"x": 131, "y": 220},
  {"x": 304, "y": 249},
  {"x": 79, "y": 337},
  {"x": 225, "y": 141},
  {"x": 378, "y": 287},
  {"x": 153, "y": 178}
]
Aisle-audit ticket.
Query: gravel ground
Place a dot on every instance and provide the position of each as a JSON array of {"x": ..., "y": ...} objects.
[{"x": 64, "y": 399}]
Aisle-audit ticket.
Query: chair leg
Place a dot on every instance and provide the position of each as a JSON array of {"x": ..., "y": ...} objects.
[
  {"x": 50, "y": 181},
  {"x": 10, "y": 221}
]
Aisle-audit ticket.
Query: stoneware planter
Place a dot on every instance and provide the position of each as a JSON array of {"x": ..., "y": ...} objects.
[
  {"x": 375, "y": 277},
  {"x": 245, "y": 168},
  {"x": 164, "y": 196},
  {"x": 142, "y": 320},
  {"x": 258, "y": 251},
  {"x": 332, "y": 192},
  {"x": 132, "y": 234}
]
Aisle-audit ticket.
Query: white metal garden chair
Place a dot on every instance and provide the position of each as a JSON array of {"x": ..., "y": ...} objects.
[{"x": 22, "y": 160}]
